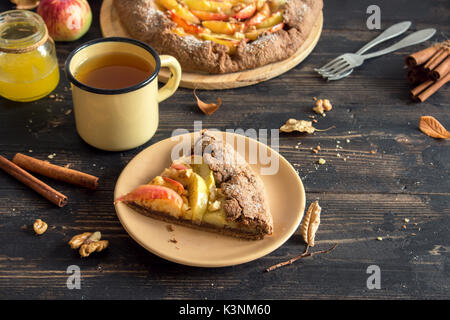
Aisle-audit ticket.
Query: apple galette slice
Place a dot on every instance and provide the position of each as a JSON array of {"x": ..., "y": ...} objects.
[{"x": 206, "y": 193}]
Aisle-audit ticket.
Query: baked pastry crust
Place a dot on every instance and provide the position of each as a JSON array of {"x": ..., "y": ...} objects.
[
  {"x": 144, "y": 21},
  {"x": 245, "y": 195}
]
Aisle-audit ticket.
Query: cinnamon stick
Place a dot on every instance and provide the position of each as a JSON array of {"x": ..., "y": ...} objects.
[
  {"x": 421, "y": 87},
  {"x": 441, "y": 70},
  {"x": 421, "y": 57},
  {"x": 433, "y": 57},
  {"x": 428, "y": 69},
  {"x": 56, "y": 172},
  {"x": 428, "y": 92},
  {"x": 440, "y": 56},
  {"x": 416, "y": 75},
  {"x": 32, "y": 182}
]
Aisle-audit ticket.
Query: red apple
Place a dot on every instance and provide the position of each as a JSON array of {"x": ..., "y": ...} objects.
[
  {"x": 260, "y": 15},
  {"x": 188, "y": 27},
  {"x": 206, "y": 15},
  {"x": 246, "y": 12},
  {"x": 66, "y": 20},
  {"x": 178, "y": 166},
  {"x": 151, "y": 192},
  {"x": 155, "y": 198}
]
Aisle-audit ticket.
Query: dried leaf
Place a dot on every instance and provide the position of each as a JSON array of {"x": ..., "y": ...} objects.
[
  {"x": 208, "y": 108},
  {"x": 26, "y": 4},
  {"x": 311, "y": 223},
  {"x": 298, "y": 125},
  {"x": 313, "y": 226},
  {"x": 433, "y": 128}
]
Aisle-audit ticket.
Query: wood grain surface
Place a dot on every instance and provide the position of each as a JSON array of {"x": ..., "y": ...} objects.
[
  {"x": 392, "y": 171},
  {"x": 111, "y": 26}
]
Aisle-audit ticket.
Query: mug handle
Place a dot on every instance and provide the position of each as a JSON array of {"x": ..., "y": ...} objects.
[{"x": 174, "y": 81}]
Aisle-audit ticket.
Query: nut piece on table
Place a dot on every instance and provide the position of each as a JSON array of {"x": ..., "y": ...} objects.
[
  {"x": 87, "y": 248},
  {"x": 327, "y": 105},
  {"x": 96, "y": 236},
  {"x": 322, "y": 105},
  {"x": 319, "y": 107},
  {"x": 88, "y": 242},
  {"x": 39, "y": 226},
  {"x": 79, "y": 239}
]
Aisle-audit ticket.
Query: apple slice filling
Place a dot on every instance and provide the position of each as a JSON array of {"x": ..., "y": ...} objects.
[
  {"x": 156, "y": 198},
  {"x": 226, "y": 22},
  {"x": 187, "y": 190}
]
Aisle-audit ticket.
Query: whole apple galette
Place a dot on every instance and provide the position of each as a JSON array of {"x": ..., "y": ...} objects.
[
  {"x": 221, "y": 36},
  {"x": 216, "y": 191}
]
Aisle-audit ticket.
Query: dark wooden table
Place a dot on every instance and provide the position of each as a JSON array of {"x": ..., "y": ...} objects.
[{"x": 367, "y": 196}]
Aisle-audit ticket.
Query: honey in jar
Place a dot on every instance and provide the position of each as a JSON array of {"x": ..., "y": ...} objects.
[{"x": 28, "y": 63}]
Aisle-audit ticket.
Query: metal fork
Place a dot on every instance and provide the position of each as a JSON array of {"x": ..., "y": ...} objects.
[
  {"x": 389, "y": 33},
  {"x": 349, "y": 61}
]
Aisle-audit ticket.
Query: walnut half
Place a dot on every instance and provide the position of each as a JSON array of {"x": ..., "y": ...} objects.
[
  {"x": 88, "y": 242},
  {"x": 322, "y": 106},
  {"x": 39, "y": 226},
  {"x": 79, "y": 239},
  {"x": 87, "y": 248}
]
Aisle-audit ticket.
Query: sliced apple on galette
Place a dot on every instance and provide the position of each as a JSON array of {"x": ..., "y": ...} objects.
[{"x": 216, "y": 191}]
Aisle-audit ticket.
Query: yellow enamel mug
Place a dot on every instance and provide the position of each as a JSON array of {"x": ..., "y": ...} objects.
[{"x": 119, "y": 119}]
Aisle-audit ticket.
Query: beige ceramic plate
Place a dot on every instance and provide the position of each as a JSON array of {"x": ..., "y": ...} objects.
[{"x": 200, "y": 248}]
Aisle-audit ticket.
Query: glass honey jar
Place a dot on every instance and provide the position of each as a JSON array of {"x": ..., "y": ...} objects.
[{"x": 28, "y": 64}]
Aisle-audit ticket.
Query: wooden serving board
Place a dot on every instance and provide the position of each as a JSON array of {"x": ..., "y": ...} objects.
[{"x": 111, "y": 27}]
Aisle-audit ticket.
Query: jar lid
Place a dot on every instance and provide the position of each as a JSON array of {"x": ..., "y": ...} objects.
[{"x": 21, "y": 31}]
